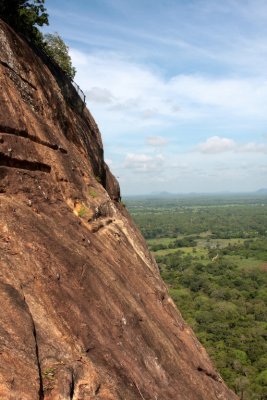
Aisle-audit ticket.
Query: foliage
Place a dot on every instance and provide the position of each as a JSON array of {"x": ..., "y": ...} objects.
[
  {"x": 82, "y": 211},
  {"x": 217, "y": 278},
  {"x": 24, "y": 15},
  {"x": 92, "y": 192},
  {"x": 185, "y": 242},
  {"x": 170, "y": 219},
  {"x": 224, "y": 306},
  {"x": 59, "y": 51}
]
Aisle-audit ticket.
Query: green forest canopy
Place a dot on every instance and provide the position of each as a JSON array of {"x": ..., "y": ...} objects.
[{"x": 212, "y": 253}]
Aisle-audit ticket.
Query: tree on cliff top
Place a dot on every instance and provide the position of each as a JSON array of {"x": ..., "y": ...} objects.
[
  {"x": 24, "y": 15},
  {"x": 55, "y": 47}
]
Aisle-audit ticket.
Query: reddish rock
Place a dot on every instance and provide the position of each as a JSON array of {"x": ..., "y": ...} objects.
[{"x": 84, "y": 312}]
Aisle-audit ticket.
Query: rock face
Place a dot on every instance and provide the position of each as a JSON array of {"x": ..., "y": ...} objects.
[{"x": 84, "y": 312}]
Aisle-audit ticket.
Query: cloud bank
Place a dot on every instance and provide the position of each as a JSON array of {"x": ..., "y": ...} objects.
[{"x": 216, "y": 144}]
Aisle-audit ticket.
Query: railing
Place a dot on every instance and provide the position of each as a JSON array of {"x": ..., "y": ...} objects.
[
  {"x": 57, "y": 66},
  {"x": 78, "y": 90},
  {"x": 74, "y": 84}
]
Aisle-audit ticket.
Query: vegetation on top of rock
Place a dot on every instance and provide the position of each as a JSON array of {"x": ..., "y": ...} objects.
[
  {"x": 23, "y": 16},
  {"x": 57, "y": 49}
]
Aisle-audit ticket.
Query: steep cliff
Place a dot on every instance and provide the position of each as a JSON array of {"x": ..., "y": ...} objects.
[{"x": 84, "y": 312}]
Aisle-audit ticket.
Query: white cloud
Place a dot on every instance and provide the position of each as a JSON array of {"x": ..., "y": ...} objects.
[
  {"x": 205, "y": 77},
  {"x": 193, "y": 172},
  {"x": 108, "y": 161},
  {"x": 99, "y": 95},
  {"x": 216, "y": 144},
  {"x": 253, "y": 148},
  {"x": 149, "y": 113},
  {"x": 143, "y": 162},
  {"x": 235, "y": 95},
  {"x": 156, "y": 141},
  {"x": 136, "y": 96},
  {"x": 80, "y": 58}
]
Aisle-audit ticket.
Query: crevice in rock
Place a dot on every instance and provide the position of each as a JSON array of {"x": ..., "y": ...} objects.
[
  {"x": 25, "y": 134},
  {"x": 41, "y": 385},
  {"x": 139, "y": 391},
  {"x": 6, "y": 65},
  {"x": 11, "y": 162},
  {"x": 97, "y": 390},
  {"x": 41, "y": 388},
  {"x": 209, "y": 374},
  {"x": 72, "y": 387},
  {"x": 100, "y": 225}
]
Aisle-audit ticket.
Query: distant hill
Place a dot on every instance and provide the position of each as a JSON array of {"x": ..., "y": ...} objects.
[
  {"x": 262, "y": 191},
  {"x": 169, "y": 195}
]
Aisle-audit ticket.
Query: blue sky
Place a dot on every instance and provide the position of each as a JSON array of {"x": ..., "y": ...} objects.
[{"x": 178, "y": 89}]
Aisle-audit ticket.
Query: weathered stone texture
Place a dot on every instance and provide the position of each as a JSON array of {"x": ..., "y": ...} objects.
[{"x": 84, "y": 312}]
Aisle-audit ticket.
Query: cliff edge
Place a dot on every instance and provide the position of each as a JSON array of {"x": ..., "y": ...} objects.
[{"x": 84, "y": 312}]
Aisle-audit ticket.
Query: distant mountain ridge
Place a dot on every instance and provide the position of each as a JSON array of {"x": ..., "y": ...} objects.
[
  {"x": 262, "y": 191},
  {"x": 165, "y": 194}
]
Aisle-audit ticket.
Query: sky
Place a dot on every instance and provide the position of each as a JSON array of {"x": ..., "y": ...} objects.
[{"x": 178, "y": 89}]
